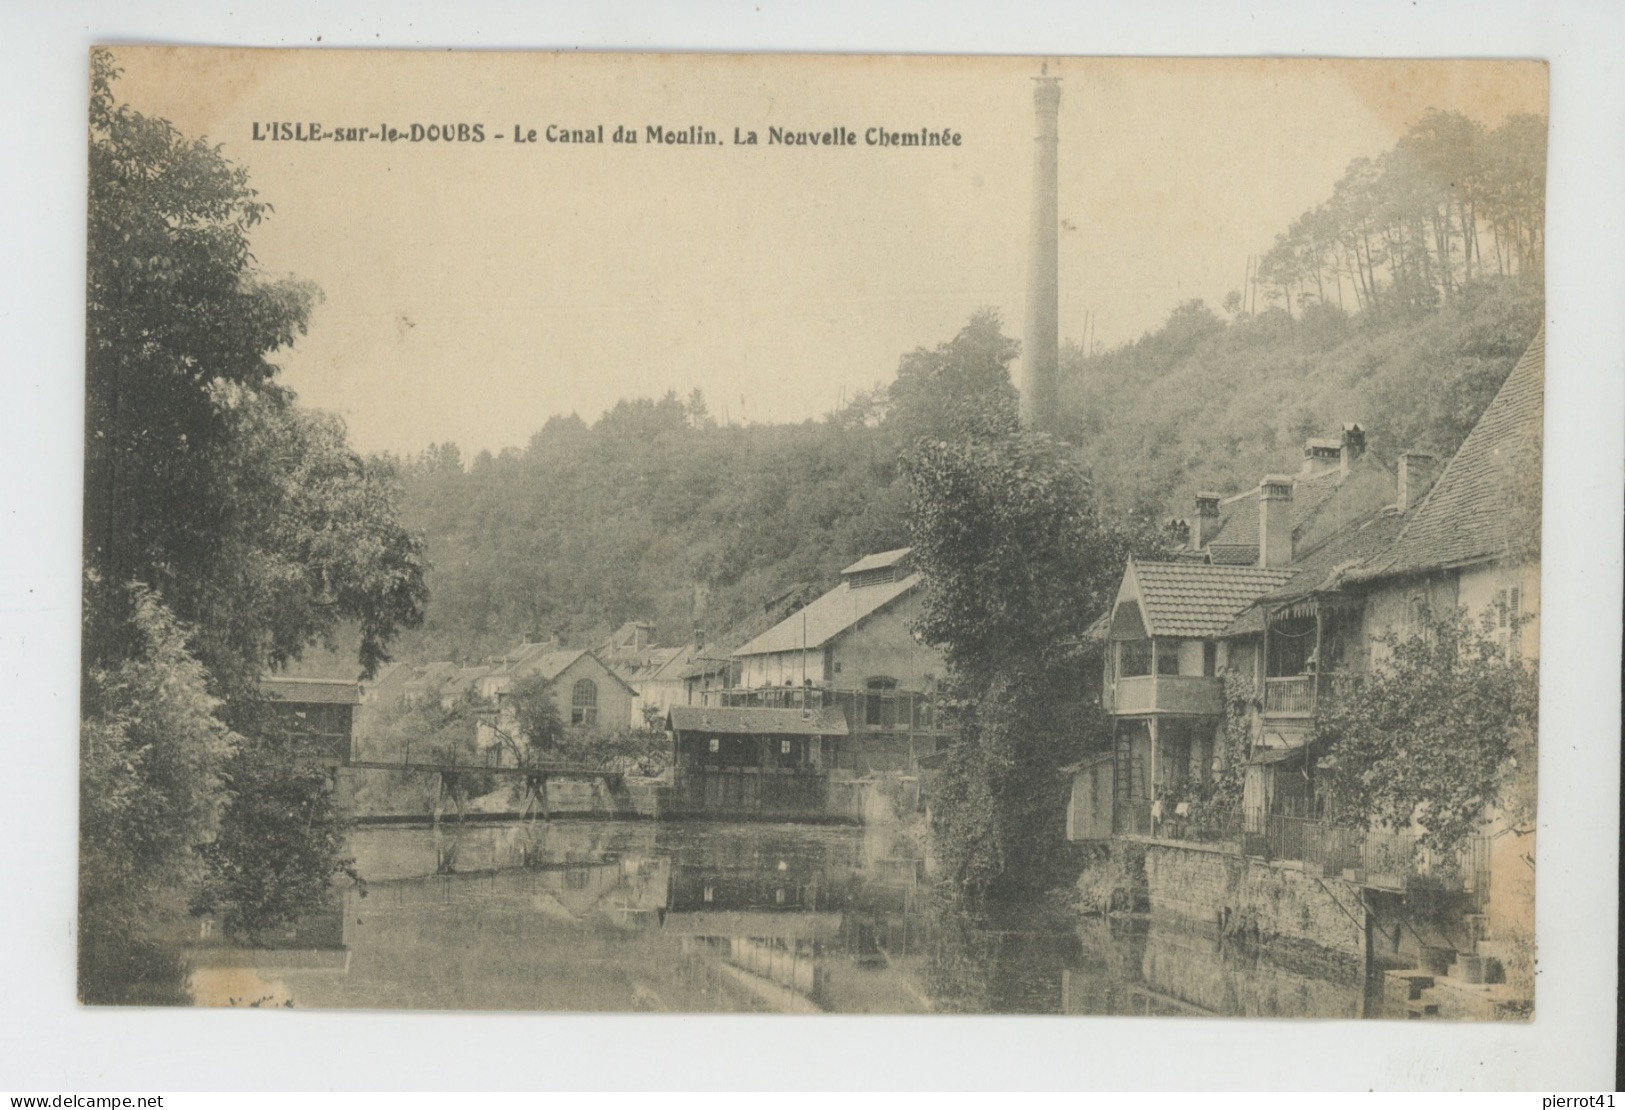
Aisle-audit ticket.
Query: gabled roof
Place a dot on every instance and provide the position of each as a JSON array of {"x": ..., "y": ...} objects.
[
  {"x": 311, "y": 691},
  {"x": 875, "y": 562},
  {"x": 550, "y": 662},
  {"x": 1486, "y": 504},
  {"x": 547, "y": 660},
  {"x": 748, "y": 720},
  {"x": 826, "y": 617},
  {"x": 1195, "y": 600}
]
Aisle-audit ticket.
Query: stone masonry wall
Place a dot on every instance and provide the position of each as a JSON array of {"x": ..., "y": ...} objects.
[{"x": 1287, "y": 911}]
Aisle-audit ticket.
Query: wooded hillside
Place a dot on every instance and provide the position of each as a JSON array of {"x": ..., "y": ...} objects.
[{"x": 1400, "y": 303}]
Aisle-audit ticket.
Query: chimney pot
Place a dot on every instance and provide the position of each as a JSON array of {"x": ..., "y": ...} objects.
[
  {"x": 1275, "y": 521},
  {"x": 1206, "y": 522},
  {"x": 1353, "y": 446}
]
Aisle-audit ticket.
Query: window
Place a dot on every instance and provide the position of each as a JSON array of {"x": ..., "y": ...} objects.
[
  {"x": 1167, "y": 656},
  {"x": 584, "y": 703},
  {"x": 1210, "y": 658},
  {"x": 784, "y": 747},
  {"x": 879, "y": 710},
  {"x": 1134, "y": 660},
  {"x": 715, "y": 745},
  {"x": 1290, "y": 647}
]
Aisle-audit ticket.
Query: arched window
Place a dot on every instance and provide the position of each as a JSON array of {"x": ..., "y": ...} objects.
[{"x": 584, "y": 703}]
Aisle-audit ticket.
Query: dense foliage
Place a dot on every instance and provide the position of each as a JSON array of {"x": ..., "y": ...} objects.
[
  {"x": 1017, "y": 564},
  {"x": 1441, "y": 733},
  {"x": 226, "y": 530},
  {"x": 153, "y": 753}
]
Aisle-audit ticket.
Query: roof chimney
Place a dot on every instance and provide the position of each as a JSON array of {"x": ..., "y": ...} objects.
[
  {"x": 1275, "y": 521},
  {"x": 1416, "y": 473},
  {"x": 1206, "y": 521},
  {"x": 1041, "y": 341},
  {"x": 1320, "y": 456},
  {"x": 1353, "y": 446},
  {"x": 558, "y": 639},
  {"x": 699, "y": 639}
]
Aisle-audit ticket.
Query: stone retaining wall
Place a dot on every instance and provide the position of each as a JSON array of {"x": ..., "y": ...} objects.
[{"x": 1277, "y": 904}]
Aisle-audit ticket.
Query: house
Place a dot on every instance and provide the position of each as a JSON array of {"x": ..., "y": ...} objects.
[
  {"x": 751, "y": 761},
  {"x": 433, "y": 684},
  {"x": 1474, "y": 542},
  {"x": 1344, "y": 553},
  {"x": 588, "y": 695},
  {"x": 1474, "y": 545},
  {"x": 1243, "y": 601},
  {"x": 852, "y": 649},
  {"x": 1163, "y": 687},
  {"x": 655, "y": 671},
  {"x": 314, "y": 715}
]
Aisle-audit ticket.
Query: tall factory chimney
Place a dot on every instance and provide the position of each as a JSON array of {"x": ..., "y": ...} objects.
[{"x": 1041, "y": 342}]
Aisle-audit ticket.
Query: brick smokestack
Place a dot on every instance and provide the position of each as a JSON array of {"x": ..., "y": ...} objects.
[{"x": 1041, "y": 341}]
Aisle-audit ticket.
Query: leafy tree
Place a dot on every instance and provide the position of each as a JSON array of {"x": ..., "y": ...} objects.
[
  {"x": 216, "y": 506},
  {"x": 280, "y": 847},
  {"x": 152, "y": 756},
  {"x": 1436, "y": 736},
  {"x": 536, "y": 711},
  {"x": 1017, "y": 565},
  {"x": 958, "y": 388}
]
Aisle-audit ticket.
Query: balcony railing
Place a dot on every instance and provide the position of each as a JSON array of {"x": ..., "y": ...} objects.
[
  {"x": 1290, "y": 697},
  {"x": 1373, "y": 857},
  {"x": 1167, "y": 693}
]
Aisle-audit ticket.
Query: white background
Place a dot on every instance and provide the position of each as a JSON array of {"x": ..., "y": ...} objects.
[{"x": 47, "y": 1044}]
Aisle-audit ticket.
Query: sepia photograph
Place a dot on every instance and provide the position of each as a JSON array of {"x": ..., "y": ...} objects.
[{"x": 812, "y": 534}]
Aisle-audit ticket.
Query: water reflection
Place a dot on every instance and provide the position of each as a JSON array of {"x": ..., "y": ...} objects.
[{"x": 711, "y": 917}]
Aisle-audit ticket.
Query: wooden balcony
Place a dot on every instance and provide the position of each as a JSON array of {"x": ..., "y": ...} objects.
[
  {"x": 1192, "y": 695},
  {"x": 1289, "y": 697}
]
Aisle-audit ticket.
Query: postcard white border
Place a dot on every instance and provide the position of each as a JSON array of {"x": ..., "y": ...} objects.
[{"x": 49, "y": 1044}]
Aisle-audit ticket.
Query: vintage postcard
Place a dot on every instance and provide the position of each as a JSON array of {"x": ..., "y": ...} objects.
[{"x": 812, "y": 534}]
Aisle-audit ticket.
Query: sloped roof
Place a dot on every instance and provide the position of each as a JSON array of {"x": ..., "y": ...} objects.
[
  {"x": 824, "y": 618},
  {"x": 875, "y": 562},
  {"x": 309, "y": 691},
  {"x": 748, "y": 720},
  {"x": 1325, "y": 567},
  {"x": 1486, "y": 504},
  {"x": 432, "y": 676},
  {"x": 543, "y": 659},
  {"x": 1234, "y": 554},
  {"x": 1195, "y": 600},
  {"x": 1322, "y": 504}
]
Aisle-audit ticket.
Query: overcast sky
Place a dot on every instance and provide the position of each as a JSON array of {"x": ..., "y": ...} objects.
[{"x": 472, "y": 290}]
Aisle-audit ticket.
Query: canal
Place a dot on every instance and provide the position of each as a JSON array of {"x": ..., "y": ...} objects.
[{"x": 696, "y": 917}]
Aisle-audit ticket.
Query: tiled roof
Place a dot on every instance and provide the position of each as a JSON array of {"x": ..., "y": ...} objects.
[
  {"x": 1193, "y": 600},
  {"x": 308, "y": 691},
  {"x": 827, "y": 617},
  {"x": 543, "y": 659},
  {"x": 1324, "y": 567},
  {"x": 1486, "y": 504},
  {"x": 1234, "y": 554},
  {"x": 1321, "y": 505},
  {"x": 757, "y": 722},
  {"x": 875, "y": 562}
]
